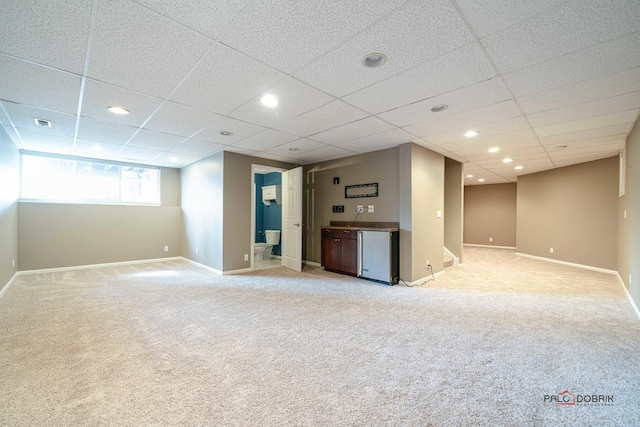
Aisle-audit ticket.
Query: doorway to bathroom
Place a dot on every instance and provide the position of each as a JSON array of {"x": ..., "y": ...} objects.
[{"x": 266, "y": 214}]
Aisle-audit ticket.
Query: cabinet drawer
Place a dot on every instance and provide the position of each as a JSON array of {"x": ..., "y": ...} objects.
[{"x": 339, "y": 234}]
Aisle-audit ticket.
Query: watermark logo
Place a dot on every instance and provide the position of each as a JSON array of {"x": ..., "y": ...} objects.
[{"x": 567, "y": 398}]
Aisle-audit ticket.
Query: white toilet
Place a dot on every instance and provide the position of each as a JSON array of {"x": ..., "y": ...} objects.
[{"x": 262, "y": 251}]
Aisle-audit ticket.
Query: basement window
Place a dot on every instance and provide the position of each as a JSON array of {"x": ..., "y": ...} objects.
[{"x": 52, "y": 178}]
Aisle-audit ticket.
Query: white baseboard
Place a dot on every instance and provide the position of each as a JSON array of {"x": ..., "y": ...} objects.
[
  {"x": 88, "y": 266},
  {"x": 426, "y": 279},
  {"x": 570, "y": 264},
  {"x": 4, "y": 289},
  {"x": 488, "y": 246},
  {"x": 626, "y": 291},
  {"x": 240, "y": 271},
  {"x": 205, "y": 267}
]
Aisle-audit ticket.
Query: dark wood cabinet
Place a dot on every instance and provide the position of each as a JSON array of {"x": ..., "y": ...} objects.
[{"x": 339, "y": 251}]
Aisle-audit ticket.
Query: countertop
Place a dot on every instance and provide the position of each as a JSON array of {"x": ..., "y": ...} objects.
[{"x": 357, "y": 227}]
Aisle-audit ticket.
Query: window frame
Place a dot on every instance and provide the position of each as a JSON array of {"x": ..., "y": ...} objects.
[{"x": 78, "y": 159}]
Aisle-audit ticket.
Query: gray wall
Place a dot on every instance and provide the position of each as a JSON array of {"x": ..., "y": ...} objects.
[
  {"x": 54, "y": 235},
  {"x": 321, "y": 193},
  {"x": 237, "y": 239},
  {"x": 490, "y": 212},
  {"x": 421, "y": 196},
  {"x": 573, "y": 210},
  {"x": 453, "y": 206},
  {"x": 9, "y": 193},
  {"x": 216, "y": 202},
  {"x": 629, "y": 227}
]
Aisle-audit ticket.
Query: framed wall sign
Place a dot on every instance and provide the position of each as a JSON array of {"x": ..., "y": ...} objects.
[{"x": 361, "y": 190}]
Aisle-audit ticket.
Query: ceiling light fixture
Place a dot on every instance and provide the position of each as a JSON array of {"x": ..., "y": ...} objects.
[
  {"x": 507, "y": 160},
  {"x": 519, "y": 168},
  {"x": 493, "y": 150},
  {"x": 118, "y": 110},
  {"x": 43, "y": 122},
  {"x": 439, "y": 108},
  {"x": 269, "y": 100},
  {"x": 374, "y": 60},
  {"x": 481, "y": 180},
  {"x": 173, "y": 159},
  {"x": 471, "y": 133},
  {"x": 225, "y": 133},
  {"x": 469, "y": 176}
]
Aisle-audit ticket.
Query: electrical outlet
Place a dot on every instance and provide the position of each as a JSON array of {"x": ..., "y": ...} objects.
[
  {"x": 13, "y": 265},
  {"x": 551, "y": 250},
  {"x": 491, "y": 239},
  {"x": 360, "y": 209},
  {"x": 166, "y": 248},
  {"x": 196, "y": 250},
  {"x": 246, "y": 257},
  {"x": 428, "y": 264}
]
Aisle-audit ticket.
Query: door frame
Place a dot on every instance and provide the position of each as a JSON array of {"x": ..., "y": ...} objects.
[{"x": 258, "y": 169}]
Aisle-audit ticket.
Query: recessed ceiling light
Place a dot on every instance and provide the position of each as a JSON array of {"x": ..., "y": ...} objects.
[
  {"x": 562, "y": 147},
  {"x": 481, "y": 180},
  {"x": 43, "y": 122},
  {"x": 519, "y": 168},
  {"x": 493, "y": 150},
  {"x": 225, "y": 133},
  {"x": 374, "y": 60},
  {"x": 96, "y": 148},
  {"x": 507, "y": 160},
  {"x": 118, "y": 110},
  {"x": 439, "y": 108},
  {"x": 471, "y": 133},
  {"x": 469, "y": 176},
  {"x": 269, "y": 100},
  {"x": 173, "y": 159},
  {"x": 294, "y": 149}
]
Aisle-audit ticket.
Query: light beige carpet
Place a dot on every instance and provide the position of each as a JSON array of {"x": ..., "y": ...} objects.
[{"x": 171, "y": 344}]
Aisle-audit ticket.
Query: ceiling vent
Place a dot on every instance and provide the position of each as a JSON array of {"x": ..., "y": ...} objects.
[{"x": 43, "y": 122}]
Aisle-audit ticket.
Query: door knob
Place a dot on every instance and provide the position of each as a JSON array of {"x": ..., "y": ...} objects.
[{"x": 297, "y": 224}]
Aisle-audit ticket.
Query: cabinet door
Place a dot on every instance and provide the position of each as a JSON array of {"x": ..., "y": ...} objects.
[
  {"x": 349, "y": 256},
  {"x": 330, "y": 253}
]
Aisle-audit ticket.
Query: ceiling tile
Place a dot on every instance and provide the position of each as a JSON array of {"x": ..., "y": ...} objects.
[
  {"x": 99, "y": 96},
  {"x": 178, "y": 119},
  {"x": 478, "y": 151},
  {"x": 265, "y": 140},
  {"x": 49, "y": 32},
  {"x": 22, "y": 117},
  {"x": 331, "y": 115},
  {"x": 89, "y": 148},
  {"x": 596, "y": 61},
  {"x": 401, "y": 37},
  {"x": 568, "y": 28},
  {"x": 26, "y": 83},
  {"x": 477, "y": 95},
  {"x": 602, "y": 140},
  {"x": 581, "y": 92},
  {"x": 240, "y": 131},
  {"x": 130, "y": 153},
  {"x": 239, "y": 150},
  {"x": 208, "y": 17},
  {"x": 493, "y": 129},
  {"x": 588, "y": 109},
  {"x": 601, "y": 121},
  {"x": 294, "y": 98},
  {"x": 570, "y": 157},
  {"x": 287, "y": 35},
  {"x": 146, "y": 138},
  {"x": 322, "y": 154},
  {"x": 379, "y": 141},
  {"x": 586, "y": 134},
  {"x": 467, "y": 120},
  {"x": 454, "y": 70},
  {"x": 196, "y": 148},
  {"x": 483, "y": 141},
  {"x": 272, "y": 156},
  {"x": 355, "y": 130},
  {"x": 225, "y": 79},
  {"x": 40, "y": 141},
  {"x": 294, "y": 148},
  {"x": 141, "y": 50},
  {"x": 490, "y": 16},
  {"x": 98, "y": 130},
  {"x": 172, "y": 160}
]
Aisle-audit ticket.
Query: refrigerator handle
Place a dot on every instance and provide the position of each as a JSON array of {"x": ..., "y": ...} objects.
[{"x": 359, "y": 253}]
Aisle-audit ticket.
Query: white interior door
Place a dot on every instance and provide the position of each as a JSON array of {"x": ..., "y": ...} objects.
[{"x": 292, "y": 219}]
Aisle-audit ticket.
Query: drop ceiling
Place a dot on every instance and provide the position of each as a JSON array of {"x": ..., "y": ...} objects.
[{"x": 549, "y": 82}]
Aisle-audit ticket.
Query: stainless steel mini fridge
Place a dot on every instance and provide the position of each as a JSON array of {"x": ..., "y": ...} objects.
[{"x": 378, "y": 256}]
